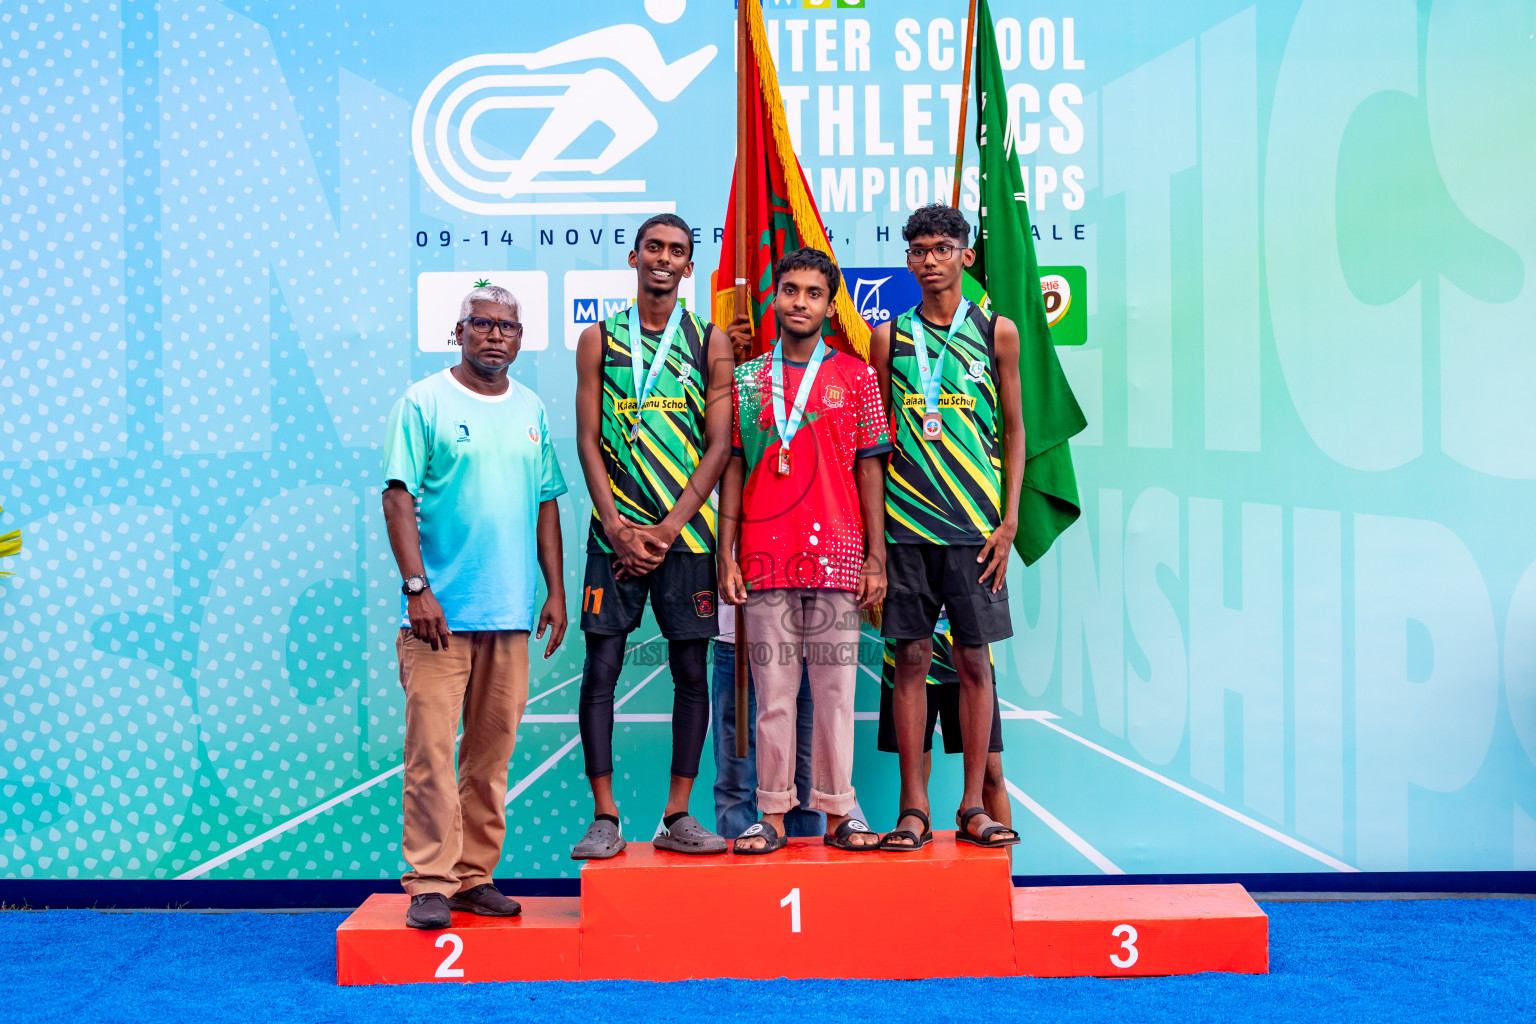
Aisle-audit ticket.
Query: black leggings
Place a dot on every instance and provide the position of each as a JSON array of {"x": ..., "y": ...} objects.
[{"x": 690, "y": 702}]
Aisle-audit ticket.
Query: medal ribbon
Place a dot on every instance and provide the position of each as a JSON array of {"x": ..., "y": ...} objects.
[
  {"x": 931, "y": 379},
  {"x": 636, "y": 341},
  {"x": 789, "y": 423}
]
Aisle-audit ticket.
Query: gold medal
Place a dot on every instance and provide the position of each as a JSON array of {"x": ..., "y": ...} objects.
[
  {"x": 933, "y": 427},
  {"x": 782, "y": 466}
]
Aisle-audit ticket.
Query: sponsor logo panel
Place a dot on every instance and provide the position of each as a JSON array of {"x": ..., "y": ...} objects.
[{"x": 440, "y": 292}]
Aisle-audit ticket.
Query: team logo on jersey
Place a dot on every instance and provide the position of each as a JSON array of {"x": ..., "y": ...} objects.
[
  {"x": 977, "y": 371},
  {"x": 832, "y": 398},
  {"x": 704, "y": 603},
  {"x": 533, "y": 433},
  {"x": 463, "y": 429}
]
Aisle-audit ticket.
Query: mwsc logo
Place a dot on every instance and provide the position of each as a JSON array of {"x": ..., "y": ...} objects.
[
  {"x": 462, "y": 166},
  {"x": 595, "y": 311},
  {"x": 592, "y": 296}
]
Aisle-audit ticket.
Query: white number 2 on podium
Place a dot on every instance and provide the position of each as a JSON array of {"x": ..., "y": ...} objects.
[
  {"x": 1128, "y": 934},
  {"x": 446, "y": 968},
  {"x": 792, "y": 901}
]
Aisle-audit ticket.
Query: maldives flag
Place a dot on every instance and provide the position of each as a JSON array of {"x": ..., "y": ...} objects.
[{"x": 781, "y": 212}]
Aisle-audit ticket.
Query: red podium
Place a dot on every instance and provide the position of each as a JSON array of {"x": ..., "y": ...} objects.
[
  {"x": 949, "y": 910},
  {"x": 374, "y": 947},
  {"x": 808, "y": 911},
  {"x": 1117, "y": 930}
]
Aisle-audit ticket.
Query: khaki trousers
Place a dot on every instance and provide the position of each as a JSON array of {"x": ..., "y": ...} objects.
[
  {"x": 820, "y": 627},
  {"x": 455, "y": 820}
]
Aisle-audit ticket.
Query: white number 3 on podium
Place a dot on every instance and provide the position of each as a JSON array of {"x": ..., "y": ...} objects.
[{"x": 1129, "y": 945}]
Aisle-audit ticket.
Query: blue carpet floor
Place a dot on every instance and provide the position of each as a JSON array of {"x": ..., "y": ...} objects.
[{"x": 1447, "y": 960}]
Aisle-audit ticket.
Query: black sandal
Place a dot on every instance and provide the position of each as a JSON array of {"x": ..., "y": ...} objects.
[
  {"x": 917, "y": 842},
  {"x": 839, "y": 839},
  {"x": 768, "y": 832},
  {"x": 985, "y": 840}
]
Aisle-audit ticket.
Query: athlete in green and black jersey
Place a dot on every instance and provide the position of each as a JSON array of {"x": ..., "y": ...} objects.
[
  {"x": 947, "y": 490},
  {"x": 653, "y": 429},
  {"x": 650, "y": 459},
  {"x": 950, "y": 373}
]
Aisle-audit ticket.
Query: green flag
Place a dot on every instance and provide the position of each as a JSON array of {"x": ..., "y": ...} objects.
[{"x": 1048, "y": 501}]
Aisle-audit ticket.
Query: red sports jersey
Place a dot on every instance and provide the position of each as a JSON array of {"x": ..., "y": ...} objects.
[{"x": 804, "y": 528}]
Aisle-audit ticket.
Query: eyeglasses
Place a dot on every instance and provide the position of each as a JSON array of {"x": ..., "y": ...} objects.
[
  {"x": 483, "y": 325},
  {"x": 918, "y": 253}
]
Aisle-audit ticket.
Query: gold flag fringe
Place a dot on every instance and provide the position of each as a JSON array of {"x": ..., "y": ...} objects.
[{"x": 807, "y": 221}]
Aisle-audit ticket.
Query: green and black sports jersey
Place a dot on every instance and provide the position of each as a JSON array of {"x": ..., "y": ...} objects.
[
  {"x": 648, "y": 475},
  {"x": 949, "y": 490}
]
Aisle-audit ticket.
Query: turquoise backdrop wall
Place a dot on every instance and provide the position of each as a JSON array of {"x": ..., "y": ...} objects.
[{"x": 1295, "y": 629}]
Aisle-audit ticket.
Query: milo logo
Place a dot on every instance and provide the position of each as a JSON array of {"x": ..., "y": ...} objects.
[{"x": 1058, "y": 297}]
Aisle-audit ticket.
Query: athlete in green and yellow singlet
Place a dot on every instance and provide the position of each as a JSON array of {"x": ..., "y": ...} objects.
[
  {"x": 950, "y": 373},
  {"x": 653, "y": 429}
]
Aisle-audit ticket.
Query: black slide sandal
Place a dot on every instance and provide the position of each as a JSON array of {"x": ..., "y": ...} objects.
[
  {"x": 917, "y": 841},
  {"x": 768, "y": 832},
  {"x": 839, "y": 839},
  {"x": 985, "y": 840}
]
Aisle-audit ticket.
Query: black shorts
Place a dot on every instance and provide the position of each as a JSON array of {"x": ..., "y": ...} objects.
[
  {"x": 943, "y": 704},
  {"x": 681, "y": 589},
  {"x": 922, "y": 578}
]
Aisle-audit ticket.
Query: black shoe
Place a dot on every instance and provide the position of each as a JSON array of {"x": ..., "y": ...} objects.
[
  {"x": 428, "y": 910},
  {"x": 486, "y": 900}
]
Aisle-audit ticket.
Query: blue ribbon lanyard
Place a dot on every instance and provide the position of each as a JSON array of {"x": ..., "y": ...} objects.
[
  {"x": 789, "y": 422},
  {"x": 643, "y": 388},
  {"x": 932, "y": 380}
]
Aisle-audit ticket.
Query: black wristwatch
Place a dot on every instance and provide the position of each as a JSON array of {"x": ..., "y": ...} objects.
[{"x": 414, "y": 585}]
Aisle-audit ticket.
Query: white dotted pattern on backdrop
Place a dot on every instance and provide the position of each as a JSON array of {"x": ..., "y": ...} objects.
[
  {"x": 199, "y": 641},
  {"x": 241, "y": 199},
  {"x": 99, "y": 756},
  {"x": 273, "y": 747},
  {"x": 62, "y": 292}
]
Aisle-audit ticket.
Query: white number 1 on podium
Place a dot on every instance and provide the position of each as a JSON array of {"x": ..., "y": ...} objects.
[{"x": 792, "y": 901}]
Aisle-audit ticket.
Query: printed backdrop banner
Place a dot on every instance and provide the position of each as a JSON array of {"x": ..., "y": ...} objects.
[{"x": 1294, "y": 630}]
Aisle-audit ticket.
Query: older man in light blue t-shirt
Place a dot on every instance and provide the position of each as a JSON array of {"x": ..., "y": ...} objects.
[{"x": 467, "y": 453}]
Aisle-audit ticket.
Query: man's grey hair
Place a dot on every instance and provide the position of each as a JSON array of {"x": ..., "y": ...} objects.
[{"x": 490, "y": 293}]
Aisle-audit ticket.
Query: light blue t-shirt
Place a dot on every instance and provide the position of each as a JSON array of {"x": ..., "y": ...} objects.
[{"x": 479, "y": 466}]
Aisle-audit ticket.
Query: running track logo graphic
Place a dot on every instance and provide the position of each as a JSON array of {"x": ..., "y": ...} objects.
[{"x": 460, "y": 164}]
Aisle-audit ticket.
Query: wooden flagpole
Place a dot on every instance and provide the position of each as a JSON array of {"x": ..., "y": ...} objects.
[
  {"x": 965, "y": 93},
  {"x": 743, "y": 305}
]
